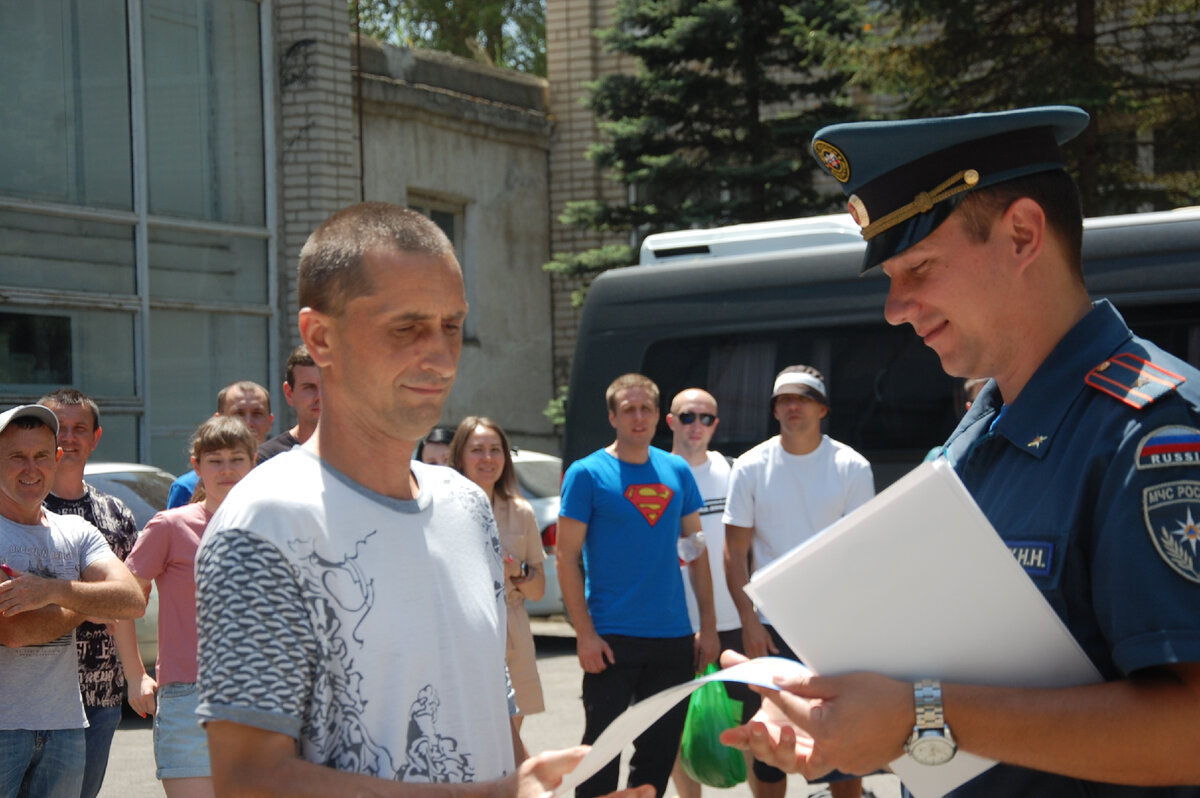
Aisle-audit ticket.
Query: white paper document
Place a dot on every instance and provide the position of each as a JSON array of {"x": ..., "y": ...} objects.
[
  {"x": 641, "y": 715},
  {"x": 917, "y": 584}
]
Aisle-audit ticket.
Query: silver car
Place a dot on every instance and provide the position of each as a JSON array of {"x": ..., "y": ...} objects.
[
  {"x": 540, "y": 476},
  {"x": 144, "y": 490}
]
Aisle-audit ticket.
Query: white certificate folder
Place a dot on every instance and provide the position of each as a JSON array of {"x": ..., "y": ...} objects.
[{"x": 917, "y": 584}]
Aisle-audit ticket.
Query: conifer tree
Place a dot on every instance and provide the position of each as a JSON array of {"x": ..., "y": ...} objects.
[
  {"x": 714, "y": 126},
  {"x": 1133, "y": 64},
  {"x": 506, "y": 33}
]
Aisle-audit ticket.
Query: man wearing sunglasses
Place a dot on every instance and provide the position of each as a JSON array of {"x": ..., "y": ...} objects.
[
  {"x": 782, "y": 492},
  {"x": 693, "y": 420}
]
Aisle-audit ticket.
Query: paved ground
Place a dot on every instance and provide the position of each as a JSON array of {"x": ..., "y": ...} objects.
[{"x": 131, "y": 767}]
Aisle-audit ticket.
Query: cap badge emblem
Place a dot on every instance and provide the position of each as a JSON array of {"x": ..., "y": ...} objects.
[
  {"x": 858, "y": 210},
  {"x": 833, "y": 159}
]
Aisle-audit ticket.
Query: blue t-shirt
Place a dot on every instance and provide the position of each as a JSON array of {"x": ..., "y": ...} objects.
[
  {"x": 633, "y": 514},
  {"x": 182, "y": 489},
  {"x": 1099, "y": 500}
]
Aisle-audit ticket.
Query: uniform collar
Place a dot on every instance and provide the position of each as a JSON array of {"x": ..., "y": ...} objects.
[{"x": 1032, "y": 421}]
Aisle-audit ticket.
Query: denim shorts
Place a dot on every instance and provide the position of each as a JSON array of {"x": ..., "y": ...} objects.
[{"x": 180, "y": 746}]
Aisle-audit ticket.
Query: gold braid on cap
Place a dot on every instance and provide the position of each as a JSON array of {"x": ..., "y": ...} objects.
[{"x": 924, "y": 201}]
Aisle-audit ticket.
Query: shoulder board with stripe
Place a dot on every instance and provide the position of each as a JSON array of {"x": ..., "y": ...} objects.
[{"x": 1133, "y": 380}]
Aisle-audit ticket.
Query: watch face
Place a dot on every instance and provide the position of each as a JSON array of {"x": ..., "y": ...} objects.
[{"x": 931, "y": 749}]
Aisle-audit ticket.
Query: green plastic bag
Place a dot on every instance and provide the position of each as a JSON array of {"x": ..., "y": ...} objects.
[{"x": 710, "y": 712}]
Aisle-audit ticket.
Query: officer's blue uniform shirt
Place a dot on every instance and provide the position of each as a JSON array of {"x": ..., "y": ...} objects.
[{"x": 1100, "y": 502}]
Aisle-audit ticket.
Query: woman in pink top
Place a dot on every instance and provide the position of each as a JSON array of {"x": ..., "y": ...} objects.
[
  {"x": 223, "y": 451},
  {"x": 480, "y": 451}
]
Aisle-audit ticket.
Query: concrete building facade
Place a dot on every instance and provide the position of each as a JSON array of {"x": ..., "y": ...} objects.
[{"x": 163, "y": 161}]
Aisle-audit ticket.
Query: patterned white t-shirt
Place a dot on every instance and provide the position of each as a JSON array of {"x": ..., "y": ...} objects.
[{"x": 369, "y": 628}]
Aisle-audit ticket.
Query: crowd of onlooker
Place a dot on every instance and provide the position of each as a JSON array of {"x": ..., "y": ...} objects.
[
  {"x": 337, "y": 613},
  {"x": 222, "y": 452},
  {"x": 52, "y": 753}
]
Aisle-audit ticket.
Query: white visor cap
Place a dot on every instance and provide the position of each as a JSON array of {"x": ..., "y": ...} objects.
[{"x": 800, "y": 382}]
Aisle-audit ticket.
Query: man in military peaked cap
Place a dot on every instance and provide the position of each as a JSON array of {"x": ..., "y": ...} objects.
[{"x": 1082, "y": 449}]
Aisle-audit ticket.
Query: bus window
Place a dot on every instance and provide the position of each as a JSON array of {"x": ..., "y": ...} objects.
[{"x": 889, "y": 397}]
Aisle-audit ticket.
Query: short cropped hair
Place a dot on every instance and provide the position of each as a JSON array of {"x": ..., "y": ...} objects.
[
  {"x": 629, "y": 381},
  {"x": 298, "y": 357},
  {"x": 1057, "y": 194},
  {"x": 506, "y": 485},
  {"x": 242, "y": 386},
  {"x": 70, "y": 397},
  {"x": 331, "y": 272}
]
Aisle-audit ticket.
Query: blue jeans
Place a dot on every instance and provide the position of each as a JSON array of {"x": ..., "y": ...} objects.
[
  {"x": 41, "y": 764},
  {"x": 98, "y": 736}
]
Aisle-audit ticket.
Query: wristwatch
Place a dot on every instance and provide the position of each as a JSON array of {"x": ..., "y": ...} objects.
[{"x": 930, "y": 742}]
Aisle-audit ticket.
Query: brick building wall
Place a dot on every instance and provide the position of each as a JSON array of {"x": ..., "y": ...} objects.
[
  {"x": 316, "y": 131},
  {"x": 574, "y": 57}
]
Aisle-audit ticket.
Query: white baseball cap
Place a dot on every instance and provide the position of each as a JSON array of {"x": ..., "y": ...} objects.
[
  {"x": 36, "y": 411},
  {"x": 800, "y": 382}
]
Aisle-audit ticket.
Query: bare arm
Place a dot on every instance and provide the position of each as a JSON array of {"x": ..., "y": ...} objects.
[
  {"x": 1130, "y": 731},
  {"x": 106, "y": 590},
  {"x": 708, "y": 645},
  {"x": 253, "y": 763},
  {"x": 37, "y": 626},
  {"x": 755, "y": 639},
  {"x": 593, "y": 651},
  {"x": 532, "y": 587},
  {"x": 141, "y": 687}
]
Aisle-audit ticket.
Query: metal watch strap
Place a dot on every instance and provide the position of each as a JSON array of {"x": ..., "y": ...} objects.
[{"x": 927, "y": 694}]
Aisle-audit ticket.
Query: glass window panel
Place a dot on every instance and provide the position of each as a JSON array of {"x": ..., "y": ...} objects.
[
  {"x": 64, "y": 130},
  {"x": 35, "y": 350},
  {"x": 41, "y": 350},
  {"x": 194, "y": 355},
  {"x": 204, "y": 115},
  {"x": 52, "y": 252},
  {"x": 119, "y": 443},
  {"x": 890, "y": 398},
  {"x": 207, "y": 267}
]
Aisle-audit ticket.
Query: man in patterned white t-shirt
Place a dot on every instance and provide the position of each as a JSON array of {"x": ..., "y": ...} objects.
[{"x": 351, "y": 601}]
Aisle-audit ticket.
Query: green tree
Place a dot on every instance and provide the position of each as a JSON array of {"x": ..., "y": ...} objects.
[
  {"x": 508, "y": 33},
  {"x": 1130, "y": 63},
  {"x": 714, "y": 126}
]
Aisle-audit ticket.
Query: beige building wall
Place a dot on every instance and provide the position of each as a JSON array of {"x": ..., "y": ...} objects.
[
  {"x": 441, "y": 132},
  {"x": 472, "y": 142}
]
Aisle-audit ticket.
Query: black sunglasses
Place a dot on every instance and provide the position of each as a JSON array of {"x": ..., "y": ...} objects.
[{"x": 707, "y": 419}]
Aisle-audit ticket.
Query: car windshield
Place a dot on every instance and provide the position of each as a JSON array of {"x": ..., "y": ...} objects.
[
  {"x": 540, "y": 478},
  {"x": 144, "y": 492}
]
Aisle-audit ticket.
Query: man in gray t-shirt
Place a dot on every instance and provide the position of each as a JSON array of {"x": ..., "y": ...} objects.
[
  {"x": 369, "y": 588},
  {"x": 57, "y": 570}
]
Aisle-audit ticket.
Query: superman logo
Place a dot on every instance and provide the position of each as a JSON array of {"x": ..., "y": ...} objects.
[{"x": 650, "y": 500}]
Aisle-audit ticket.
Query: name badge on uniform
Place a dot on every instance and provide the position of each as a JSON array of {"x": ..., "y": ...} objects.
[{"x": 1035, "y": 556}]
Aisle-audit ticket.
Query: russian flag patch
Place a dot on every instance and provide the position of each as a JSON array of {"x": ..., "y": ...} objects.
[{"x": 1169, "y": 446}]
